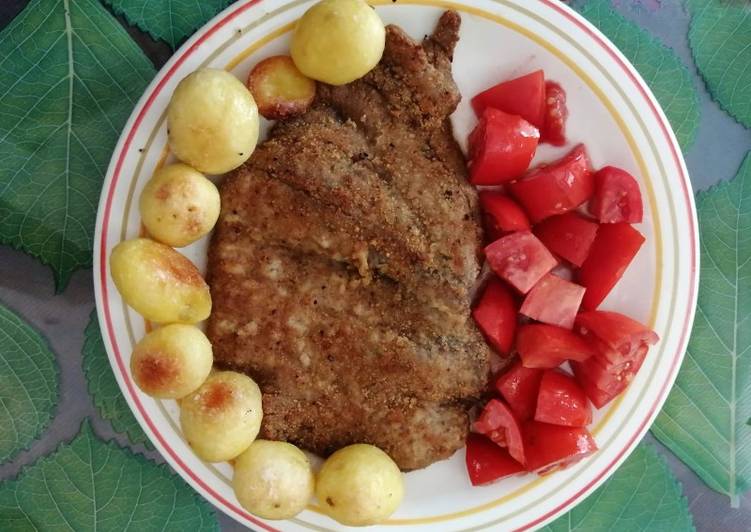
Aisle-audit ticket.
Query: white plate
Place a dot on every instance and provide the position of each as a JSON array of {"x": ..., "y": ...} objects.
[{"x": 612, "y": 111}]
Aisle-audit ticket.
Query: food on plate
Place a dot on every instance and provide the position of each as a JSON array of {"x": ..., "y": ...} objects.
[
  {"x": 520, "y": 259},
  {"x": 553, "y": 130},
  {"x": 523, "y": 96},
  {"x": 338, "y": 41},
  {"x": 613, "y": 249},
  {"x": 617, "y": 197},
  {"x": 171, "y": 361},
  {"x": 159, "y": 283},
  {"x": 569, "y": 236},
  {"x": 548, "y": 346},
  {"x": 212, "y": 121},
  {"x": 487, "y": 461},
  {"x": 495, "y": 314},
  {"x": 222, "y": 417},
  {"x": 554, "y": 301},
  {"x": 561, "y": 401},
  {"x": 501, "y": 214},
  {"x": 549, "y": 446},
  {"x": 499, "y": 423},
  {"x": 500, "y": 147},
  {"x": 279, "y": 88},
  {"x": 519, "y": 386},
  {"x": 273, "y": 479},
  {"x": 359, "y": 485},
  {"x": 179, "y": 205},
  {"x": 344, "y": 261}
]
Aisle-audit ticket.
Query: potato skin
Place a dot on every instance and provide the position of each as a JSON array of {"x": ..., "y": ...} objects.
[
  {"x": 171, "y": 361},
  {"x": 159, "y": 283},
  {"x": 179, "y": 205},
  {"x": 212, "y": 121},
  {"x": 280, "y": 89},
  {"x": 222, "y": 418},
  {"x": 359, "y": 485},
  {"x": 338, "y": 41},
  {"x": 273, "y": 479}
]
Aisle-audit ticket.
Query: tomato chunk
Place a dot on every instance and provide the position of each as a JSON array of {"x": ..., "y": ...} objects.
[
  {"x": 569, "y": 236},
  {"x": 554, "y": 301},
  {"x": 548, "y": 346},
  {"x": 486, "y": 462},
  {"x": 502, "y": 214},
  {"x": 556, "y": 113},
  {"x": 556, "y": 188},
  {"x": 498, "y": 423},
  {"x": 500, "y": 148},
  {"x": 495, "y": 315},
  {"x": 561, "y": 401},
  {"x": 617, "y": 197},
  {"x": 521, "y": 259},
  {"x": 613, "y": 249},
  {"x": 524, "y": 96},
  {"x": 519, "y": 386},
  {"x": 548, "y": 446}
]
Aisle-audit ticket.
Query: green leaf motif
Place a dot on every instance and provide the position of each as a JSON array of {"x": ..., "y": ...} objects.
[
  {"x": 704, "y": 419},
  {"x": 70, "y": 77},
  {"x": 168, "y": 20},
  {"x": 28, "y": 384},
  {"x": 88, "y": 484},
  {"x": 641, "y": 495},
  {"x": 663, "y": 71},
  {"x": 720, "y": 40},
  {"x": 103, "y": 388}
]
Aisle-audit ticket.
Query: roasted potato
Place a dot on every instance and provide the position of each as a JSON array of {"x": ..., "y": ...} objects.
[
  {"x": 159, "y": 283},
  {"x": 273, "y": 479},
  {"x": 359, "y": 485},
  {"x": 222, "y": 418},
  {"x": 172, "y": 361},
  {"x": 212, "y": 121},
  {"x": 179, "y": 205},
  {"x": 338, "y": 41},
  {"x": 280, "y": 89}
]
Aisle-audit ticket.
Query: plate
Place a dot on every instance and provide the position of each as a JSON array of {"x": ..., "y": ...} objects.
[{"x": 612, "y": 111}]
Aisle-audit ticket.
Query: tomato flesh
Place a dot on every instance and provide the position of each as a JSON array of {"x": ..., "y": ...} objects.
[
  {"x": 555, "y": 188},
  {"x": 569, "y": 236},
  {"x": 613, "y": 249},
  {"x": 521, "y": 259},
  {"x": 502, "y": 214},
  {"x": 495, "y": 315},
  {"x": 487, "y": 462},
  {"x": 617, "y": 197},
  {"x": 561, "y": 401},
  {"x": 554, "y": 301},
  {"x": 498, "y": 423},
  {"x": 548, "y": 446},
  {"x": 519, "y": 386},
  {"x": 547, "y": 346},
  {"x": 556, "y": 113},
  {"x": 524, "y": 96}
]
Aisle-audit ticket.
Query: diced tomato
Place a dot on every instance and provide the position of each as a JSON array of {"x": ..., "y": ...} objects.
[
  {"x": 556, "y": 113},
  {"x": 561, "y": 401},
  {"x": 524, "y": 96},
  {"x": 519, "y": 387},
  {"x": 568, "y": 235},
  {"x": 495, "y": 315},
  {"x": 548, "y": 346},
  {"x": 487, "y": 462},
  {"x": 556, "y": 188},
  {"x": 613, "y": 249},
  {"x": 549, "y": 446},
  {"x": 500, "y": 148},
  {"x": 554, "y": 301},
  {"x": 617, "y": 197},
  {"x": 498, "y": 423},
  {"x": 502, "y": 214},
  {"x": 521, "y": 259}
]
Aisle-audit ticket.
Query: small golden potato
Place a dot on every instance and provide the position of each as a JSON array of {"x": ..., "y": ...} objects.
[
  {"x": 179, "y": 205},
  {"x": 273, "y": 479},
  {"x": 359, "y": 485},
  {"x": 172, "y": 361},
  {"x": 280, "y": 89},
  {"x": 338, "y": 41},
  {"x": 159, "y": 283},
  {"x": 222, "y": 418},
  {"x": 212, "y": 121}
]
